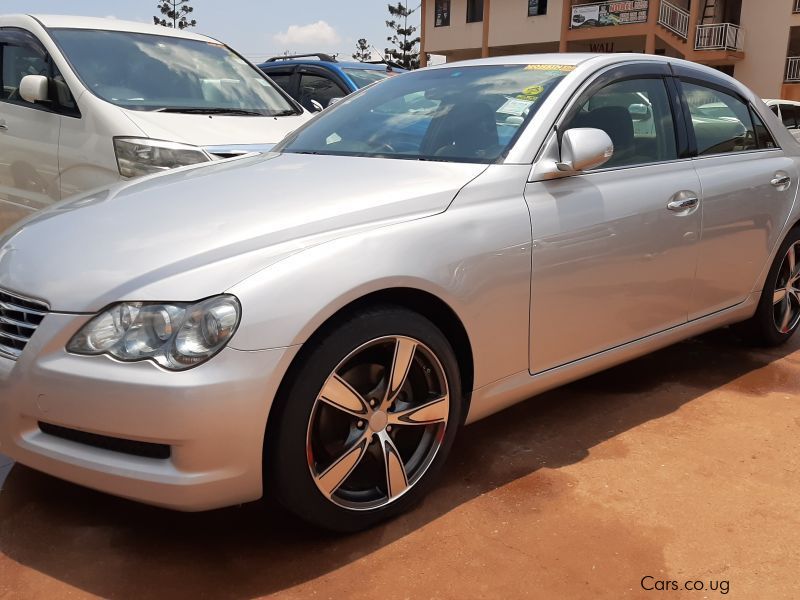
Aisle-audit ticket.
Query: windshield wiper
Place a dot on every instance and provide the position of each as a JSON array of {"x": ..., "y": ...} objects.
[
  {"x": 209, "y": 111},
  {"x": 283, "y": 113}
]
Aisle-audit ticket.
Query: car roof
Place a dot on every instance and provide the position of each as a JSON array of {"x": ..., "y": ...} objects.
[
  {"x": 77, "y": 22},
  {"x": 326, "y": 63},
  {"x": 778, "y": 100}
]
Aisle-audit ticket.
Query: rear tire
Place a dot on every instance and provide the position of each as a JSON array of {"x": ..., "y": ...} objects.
[
  {"x": 778, "y": 314},
  {"x": 365, "y": 424}
]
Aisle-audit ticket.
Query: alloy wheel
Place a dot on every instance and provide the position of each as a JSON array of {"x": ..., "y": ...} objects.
[
  {"x": 786, "y": 298},
  {"x": 378, "y": 423}
]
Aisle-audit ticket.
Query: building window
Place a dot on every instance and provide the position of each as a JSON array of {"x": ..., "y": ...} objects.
[
  {"x": 474, "y": 11},
  {"x": 442, "y": 13},
  {"x": 537, "y": 7}
]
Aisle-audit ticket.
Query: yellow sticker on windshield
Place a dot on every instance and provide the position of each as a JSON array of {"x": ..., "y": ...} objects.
[
  {"x": 550, "y": 68},
  {"x": 533, "y": 90}
]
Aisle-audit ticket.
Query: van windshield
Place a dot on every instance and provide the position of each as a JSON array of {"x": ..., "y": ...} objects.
[{"x": 169, "y": 74}]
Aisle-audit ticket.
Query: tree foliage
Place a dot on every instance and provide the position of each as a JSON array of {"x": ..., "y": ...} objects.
[
  {"x": 175, "y": 14},
  {"x": 362, "y": 53},
  {"x": 406, "y": 44}
]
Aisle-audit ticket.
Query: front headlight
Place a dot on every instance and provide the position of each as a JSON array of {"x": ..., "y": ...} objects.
[
  {"x": 177, "y": 336},
  {"x": 143, "y": 156}
]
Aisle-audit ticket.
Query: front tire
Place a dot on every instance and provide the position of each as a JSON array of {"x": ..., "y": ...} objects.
[
  {"x": 778, "y": 314},
  {"x": 366, "y": 422}
]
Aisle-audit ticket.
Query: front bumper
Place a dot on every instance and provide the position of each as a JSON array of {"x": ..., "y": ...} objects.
[{"x": 212, "y": 418}]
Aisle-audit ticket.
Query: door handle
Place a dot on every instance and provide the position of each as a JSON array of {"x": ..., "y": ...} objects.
[
  {"x": 781, "y": 181},
  {"x": 3, "y": 126},
  {"x": 684, "y": 203}
]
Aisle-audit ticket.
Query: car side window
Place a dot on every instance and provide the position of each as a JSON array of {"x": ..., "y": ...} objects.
[
  {"x": 21, "y": 54},
  {"x": 284, "y": 80},
  {"x": 763, "y": 136},
  {"x": 636, "y": 115},
  {"x": 789, "y": 116},
  {"x": 319, "y": 88},
  {"x": 19, "y": 60},
  {"x": 722, "y": 122}
]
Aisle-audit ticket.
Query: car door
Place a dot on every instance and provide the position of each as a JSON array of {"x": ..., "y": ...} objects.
[
  {"x": 614, "y": 249},
  {"x": 748, "y": 185},
  {"x": 29, "y": 133},
  {"x": 316, "y": 84}
]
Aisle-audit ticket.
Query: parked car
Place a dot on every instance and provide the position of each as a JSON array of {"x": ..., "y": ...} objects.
[
  {"x": 86, "y": 102},
  {"x": 318, "y": 80},
  {"x": 318, "y": 323},
  {"x": 787, "y": 111}
]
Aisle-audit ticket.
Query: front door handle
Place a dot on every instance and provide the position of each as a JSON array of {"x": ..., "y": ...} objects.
[
  {"x": 3, "y": 126},
  {"x": 683, "y": 203},
  {"x": 781, "y": 181}
]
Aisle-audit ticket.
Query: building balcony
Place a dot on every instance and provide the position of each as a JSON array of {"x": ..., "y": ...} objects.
[
  {"x": 720, "y": 36},
  {"x": 793, "y": 69}
]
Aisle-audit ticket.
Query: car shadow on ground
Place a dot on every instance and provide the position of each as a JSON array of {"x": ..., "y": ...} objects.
[{"x": 120, "y": 549}]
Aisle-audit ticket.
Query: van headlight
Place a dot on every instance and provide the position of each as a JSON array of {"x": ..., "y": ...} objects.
[
  {"x": 177, "y": 336},
  {"x": 143, "y": 156}
]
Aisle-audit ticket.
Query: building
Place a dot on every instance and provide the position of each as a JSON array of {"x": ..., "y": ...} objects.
[{"x": 756, "y": 41}]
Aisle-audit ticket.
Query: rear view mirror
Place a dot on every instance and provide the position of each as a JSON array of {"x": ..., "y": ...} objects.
[
  {"x": 583, "y": 149},
  {"x": 34, "y": 88}
]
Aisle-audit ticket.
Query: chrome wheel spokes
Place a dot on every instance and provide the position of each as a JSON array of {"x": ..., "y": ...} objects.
[
  {"x": 786, "y": 297},
  {"x": 378, "y": 422}
]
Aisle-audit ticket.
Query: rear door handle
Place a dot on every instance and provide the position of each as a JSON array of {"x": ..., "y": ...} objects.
[
  {"x": 781, "y": 181},
  {"x": 682, "y": 203},
  {"x": 3, "y": 126}
]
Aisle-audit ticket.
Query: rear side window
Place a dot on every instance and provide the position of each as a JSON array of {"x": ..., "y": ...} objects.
[
  {"x": 763, "y": 136},
  {"x": 636, "y": 115},
  {"x": 722, "y": 123}
]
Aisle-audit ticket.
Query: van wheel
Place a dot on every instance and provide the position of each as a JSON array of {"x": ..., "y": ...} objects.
[
  {"x": 367, "y": 421},
  {"x": 778, "y": 313}
]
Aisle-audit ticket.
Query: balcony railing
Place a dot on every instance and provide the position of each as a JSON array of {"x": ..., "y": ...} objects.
[
  {"x": 610, "y": 12},
  {"x": 674, "y": 18},
  {"x": 721, "y": 36},
  {"x": 793, "y": 69},
  {"x": 796, "y": 8}
]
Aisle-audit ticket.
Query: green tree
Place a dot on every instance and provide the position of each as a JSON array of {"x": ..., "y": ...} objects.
[
  {"x": 175, "y": 14},
  {"x": 362, "y": 53},
  {"x": 406, "y": 44}
]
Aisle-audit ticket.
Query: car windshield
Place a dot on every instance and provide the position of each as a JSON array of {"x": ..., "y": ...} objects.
[
  {"x": 153, "y": 72},
  {"x": 456, "y": 114},
  {"x": 364, "y": 77}
]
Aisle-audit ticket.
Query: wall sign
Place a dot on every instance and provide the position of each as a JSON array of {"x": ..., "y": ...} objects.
[{"x": 609, "y": 13}]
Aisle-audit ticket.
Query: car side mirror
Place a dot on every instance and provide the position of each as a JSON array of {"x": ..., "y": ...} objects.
[
  {"x": 34, "y": 88},
  {"x": 317, "y": 106},
  {"x": 640, "y": 112},
  {"x": 583, "y": 149}
]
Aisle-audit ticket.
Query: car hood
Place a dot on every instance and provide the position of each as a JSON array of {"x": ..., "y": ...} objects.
[
  {"x": 197, "y": 231},
  {"x": 215, "y": 130}
]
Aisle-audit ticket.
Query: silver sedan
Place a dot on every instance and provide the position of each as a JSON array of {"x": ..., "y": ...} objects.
[{"x": 319, "y": 322}]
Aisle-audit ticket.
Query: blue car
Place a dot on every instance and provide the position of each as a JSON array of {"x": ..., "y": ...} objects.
[{"x": 316, "y": 83}]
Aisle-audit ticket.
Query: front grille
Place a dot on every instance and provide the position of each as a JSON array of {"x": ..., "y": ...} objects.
[
  {"x": 104, "y": 442},
  {"x": 19, "y": 319}
]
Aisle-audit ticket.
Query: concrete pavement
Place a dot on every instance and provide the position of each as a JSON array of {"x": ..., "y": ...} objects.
[{"x": 681, "y": 467}]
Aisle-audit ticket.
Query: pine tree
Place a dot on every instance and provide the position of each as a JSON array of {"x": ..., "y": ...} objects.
[
  {"x": 176, "y": 14},
  {"x": 405, "y": 51},
  {"x": 362, "y": 53}
]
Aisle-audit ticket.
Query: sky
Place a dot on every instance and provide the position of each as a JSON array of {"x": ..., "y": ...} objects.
[{"x": 255, "y": 28}]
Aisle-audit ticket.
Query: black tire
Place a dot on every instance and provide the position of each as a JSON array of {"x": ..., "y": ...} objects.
[
  {"x": 761, "y": 330},
  {"x": 286, "y": 462}
]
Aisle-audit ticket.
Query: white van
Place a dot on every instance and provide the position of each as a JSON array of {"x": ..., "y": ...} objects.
[
  {"x": 86, "y": 102},
  {"x": 788, "y": 111}
]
